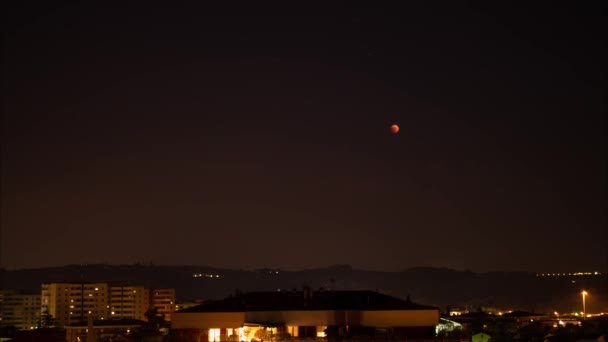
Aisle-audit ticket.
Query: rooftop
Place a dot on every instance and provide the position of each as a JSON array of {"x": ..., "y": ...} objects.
[
  {"x": 109, "y": 322},
  {"x": 307, "y": 300}
]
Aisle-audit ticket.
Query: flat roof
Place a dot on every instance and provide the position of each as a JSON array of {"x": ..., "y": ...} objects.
[{"x": 307, "y": 300}]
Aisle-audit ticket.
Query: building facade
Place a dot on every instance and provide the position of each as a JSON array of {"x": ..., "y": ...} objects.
[
  {"x": 72, "y": 303},
  {"x": 331, "y": 315},
  {"x": 19, "y": 310},
  {"x": 129, "y": 302},
  {"x": 68, "y": 303},
  {"x": 101, "y": 330},
  {"x": 164, "y": 302}
]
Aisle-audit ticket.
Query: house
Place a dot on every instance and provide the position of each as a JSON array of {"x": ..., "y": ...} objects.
[{"x": 258, "y": 316}]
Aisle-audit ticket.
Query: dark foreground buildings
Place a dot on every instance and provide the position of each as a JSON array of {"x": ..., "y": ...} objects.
[{"x": 335, "y": 315}]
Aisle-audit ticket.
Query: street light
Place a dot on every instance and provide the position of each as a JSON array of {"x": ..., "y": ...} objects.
[{"x": 584, "y": 293}]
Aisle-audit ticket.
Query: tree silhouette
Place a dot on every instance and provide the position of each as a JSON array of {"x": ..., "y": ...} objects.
[
  {"x": 155, "y": 320},
  {"x": 46, "y": 319}
]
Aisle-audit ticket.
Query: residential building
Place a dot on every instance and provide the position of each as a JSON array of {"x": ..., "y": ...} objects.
[
  {"x": 129, "y": 302},
  {"x": 164, "y": 301},
  {"x": 306, "y": 314},
  {"x": 3, "y": 295},
  {"x": 69, "y": 303},
  {"x": 101, "y": 330},
  {"x": 19, "y": 310}
]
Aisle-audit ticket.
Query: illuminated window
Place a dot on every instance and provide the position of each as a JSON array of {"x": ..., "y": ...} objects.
[
  {"x": 292, "y": 330},
  {"x": 214, "y": 335},
  {"x": 241, "y": 333}
]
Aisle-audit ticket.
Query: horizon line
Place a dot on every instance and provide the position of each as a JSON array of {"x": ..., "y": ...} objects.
[{"x": 345, "y": 266}]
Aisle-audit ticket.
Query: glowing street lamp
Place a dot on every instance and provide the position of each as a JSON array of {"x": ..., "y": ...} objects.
[{"x": 584, "y": 294}]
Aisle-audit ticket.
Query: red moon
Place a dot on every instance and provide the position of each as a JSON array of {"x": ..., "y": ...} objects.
[{"x": 394, "y": 129}]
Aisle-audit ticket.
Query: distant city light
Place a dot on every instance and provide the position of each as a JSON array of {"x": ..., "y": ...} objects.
[
  {"x": 595, "y": 273},
  {"x": 206, "y": 275}
]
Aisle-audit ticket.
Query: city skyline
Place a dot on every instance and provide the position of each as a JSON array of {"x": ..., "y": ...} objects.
[
  {"x": 443, "y": 287},
  {"x": 255, "y": 138}
]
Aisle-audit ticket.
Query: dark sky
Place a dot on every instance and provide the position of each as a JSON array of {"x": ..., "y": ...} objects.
[{"x": 259, "y": 137}]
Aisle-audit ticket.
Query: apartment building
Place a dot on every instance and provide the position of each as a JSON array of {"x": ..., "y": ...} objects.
[
  {"x": 129, "y": 302},
  {"x": 164, "y": 302},
  {"x": 19, "y": 310},
  {"x": 70, "y": 303}
]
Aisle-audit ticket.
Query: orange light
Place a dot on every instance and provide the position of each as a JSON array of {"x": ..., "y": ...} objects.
[{"x": 394, "y": 128}]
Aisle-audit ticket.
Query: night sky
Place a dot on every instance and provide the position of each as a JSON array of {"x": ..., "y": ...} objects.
[{"x": 259, "y": 137}]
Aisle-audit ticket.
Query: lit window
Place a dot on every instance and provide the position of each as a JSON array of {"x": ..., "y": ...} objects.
[{"x": 214, "y": 335}]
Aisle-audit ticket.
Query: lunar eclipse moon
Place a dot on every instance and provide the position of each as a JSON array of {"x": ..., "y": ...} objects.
[{"x": 394, "y": 128}]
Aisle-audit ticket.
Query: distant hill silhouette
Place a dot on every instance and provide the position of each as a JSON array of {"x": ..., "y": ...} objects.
[{"x": 442, "y": 287}]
